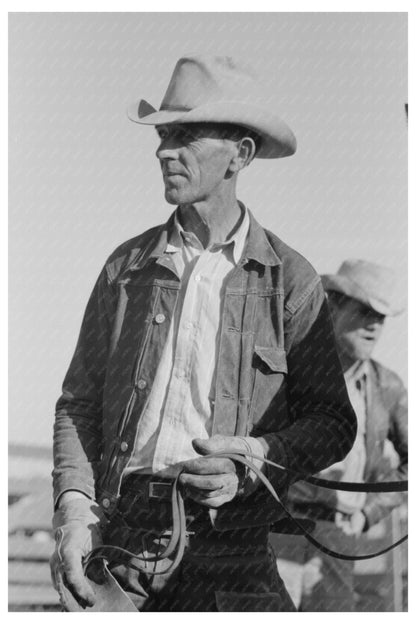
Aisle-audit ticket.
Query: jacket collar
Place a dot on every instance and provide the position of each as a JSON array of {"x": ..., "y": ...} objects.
[{"x": 257, "y": 245}]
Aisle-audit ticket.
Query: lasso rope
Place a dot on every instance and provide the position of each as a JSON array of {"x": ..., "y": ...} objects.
[{"x": 176, "y": 545}]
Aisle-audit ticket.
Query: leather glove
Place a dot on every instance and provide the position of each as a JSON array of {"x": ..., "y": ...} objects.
[
  {"x": 77, "y": 531},
  {"x": 213, "y": 481}
]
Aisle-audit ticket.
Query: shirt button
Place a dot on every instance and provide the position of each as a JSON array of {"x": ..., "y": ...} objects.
[
  {"x": 142, "y": 384},
  {"x": 197, "y": 278},
  {"x": 105, "y": 503},
  {"x": 160, "y": 318},
  {"x": 124, "y": 446}
]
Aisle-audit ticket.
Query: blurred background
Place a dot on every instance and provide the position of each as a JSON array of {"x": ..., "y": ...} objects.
[{"x": 83, "y": 178}]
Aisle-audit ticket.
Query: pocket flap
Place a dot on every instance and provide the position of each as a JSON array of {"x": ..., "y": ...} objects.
[{"x": 273, "y": 357}]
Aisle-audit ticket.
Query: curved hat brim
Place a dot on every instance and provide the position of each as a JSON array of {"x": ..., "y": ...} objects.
[
  {"x": 348, "y": 287},
  {"x": 278, "y": 139}
]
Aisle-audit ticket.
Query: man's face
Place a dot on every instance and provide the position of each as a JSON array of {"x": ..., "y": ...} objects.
[
  {"x": 357, "y": 329},
  {"x": 194, "y": 161}
]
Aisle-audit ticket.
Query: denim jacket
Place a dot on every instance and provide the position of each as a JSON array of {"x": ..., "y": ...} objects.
[{"x": 278, "y": 373}]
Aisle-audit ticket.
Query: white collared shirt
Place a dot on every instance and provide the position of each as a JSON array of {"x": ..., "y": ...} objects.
[
  {"x": 180, "y": 405},
  {"x": 353, "y": 464}
]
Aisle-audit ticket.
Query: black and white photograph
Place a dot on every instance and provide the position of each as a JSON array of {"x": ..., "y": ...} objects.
[{"x": 208, "y": 344}]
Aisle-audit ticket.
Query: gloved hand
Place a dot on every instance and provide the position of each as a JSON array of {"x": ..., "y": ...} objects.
[
  {"x": 213, "y": 481},
  {"x": 77, "y": 531}
]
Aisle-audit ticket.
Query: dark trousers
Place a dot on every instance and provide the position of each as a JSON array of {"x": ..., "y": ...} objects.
[{"x": 220, "y": 571}]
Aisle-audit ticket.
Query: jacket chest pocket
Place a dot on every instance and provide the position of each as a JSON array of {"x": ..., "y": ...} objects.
[{"x": 270, "y": 370}]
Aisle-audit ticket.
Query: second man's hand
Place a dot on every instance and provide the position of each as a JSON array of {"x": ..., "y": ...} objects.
[{"x": 353, "y": 525}]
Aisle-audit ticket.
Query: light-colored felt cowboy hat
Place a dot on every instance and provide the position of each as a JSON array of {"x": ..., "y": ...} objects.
[
  {"x": 222, "y": 90},
  {"x": 370, "y": 283}
]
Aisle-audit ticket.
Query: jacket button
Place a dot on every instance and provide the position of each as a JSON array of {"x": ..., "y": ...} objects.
[
  {"x": 124, "y": 446},
  {"x": 142, "y": 384},
  {"x": 160, "y": 318},
  {"x": 105, "y": 503}
]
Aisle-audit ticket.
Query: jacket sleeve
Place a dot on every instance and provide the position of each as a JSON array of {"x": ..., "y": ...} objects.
[
  {"x": 378, "y": 506},
  {"x": 78, "y": 420},
  {"x": 324, "y": 424}
]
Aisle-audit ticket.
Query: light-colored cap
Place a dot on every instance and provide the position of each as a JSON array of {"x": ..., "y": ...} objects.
[{"x": 372, "y": 284}]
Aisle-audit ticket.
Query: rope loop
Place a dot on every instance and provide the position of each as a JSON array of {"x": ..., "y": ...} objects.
[{"x": 177, "y": 541}]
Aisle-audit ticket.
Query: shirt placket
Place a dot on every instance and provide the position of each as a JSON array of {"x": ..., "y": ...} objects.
[
  {"x": 176, "y": 403},
  {"x": 207, "y": 295}
]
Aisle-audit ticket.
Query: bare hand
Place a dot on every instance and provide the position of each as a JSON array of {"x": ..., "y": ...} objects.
[
  {"x": 211, "y": 481},
  {"x": 352, "y": 526}
]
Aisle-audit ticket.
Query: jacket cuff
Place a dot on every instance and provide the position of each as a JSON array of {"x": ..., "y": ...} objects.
[
  {"x": 248, "y": 480},
  {"x": 58, "y": 501},
  {"x": 274, "y": 450},
  {"x": 66, "y": 483}
]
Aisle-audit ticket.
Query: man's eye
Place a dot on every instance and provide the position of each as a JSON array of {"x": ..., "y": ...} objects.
[
  {"x": 189, "y": 135},
  {"x": 183, "y": 135}
]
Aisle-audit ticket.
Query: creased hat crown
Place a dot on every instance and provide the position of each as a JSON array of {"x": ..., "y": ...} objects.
[{"x": 196, "y": 81}]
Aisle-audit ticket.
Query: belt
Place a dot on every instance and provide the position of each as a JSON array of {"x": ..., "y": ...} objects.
[
  {"x": 155, "y": 489},
  {"x": 146, "y": 503},
  {"x": 176, "y": 546}
]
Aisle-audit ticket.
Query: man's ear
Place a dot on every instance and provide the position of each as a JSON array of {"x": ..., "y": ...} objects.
[{"x": 245, "y": 152}]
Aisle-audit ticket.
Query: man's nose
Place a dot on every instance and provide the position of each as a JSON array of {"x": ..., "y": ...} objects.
[
  {"x": 168, "y": 149},
  {"x": 375, "y": 321}
]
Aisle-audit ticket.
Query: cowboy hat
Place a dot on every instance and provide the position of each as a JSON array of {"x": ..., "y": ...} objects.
[
  {"x": 219, "y": 89},
  {"x": 370, "y": 283}
]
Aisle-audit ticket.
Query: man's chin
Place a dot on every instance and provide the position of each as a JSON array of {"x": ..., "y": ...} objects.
[
  {"x": 172, "y": 197},
  {"x": 171, "y": 200},
  {"x": 354, "y": 352},
  {"x": 178, "y": 200},
  {"x": 362, "y": 353}
]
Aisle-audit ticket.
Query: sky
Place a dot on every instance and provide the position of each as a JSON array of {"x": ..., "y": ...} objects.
[{"x": 83, "y": 178}]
